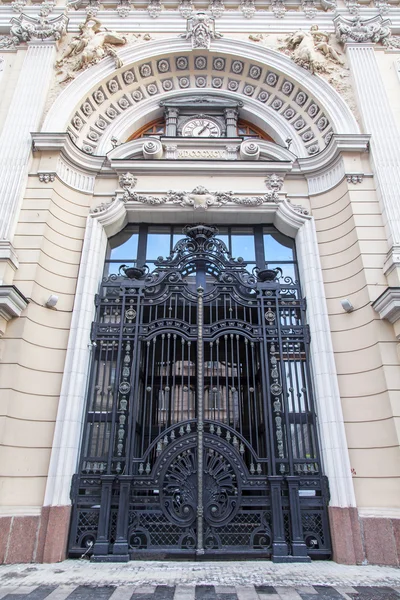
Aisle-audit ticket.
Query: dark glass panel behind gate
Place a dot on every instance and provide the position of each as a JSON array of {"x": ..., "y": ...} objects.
[{"x": 223, "y": 308}]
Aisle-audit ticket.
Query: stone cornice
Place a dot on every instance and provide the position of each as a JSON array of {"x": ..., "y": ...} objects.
[
  {"x": 122, "y": 158},
  {"x": 232, "y": 21},
  {"x": 339, "y": 143},
  {"x": 12, "y": 302},
  {"x": 63, "y": 143}
]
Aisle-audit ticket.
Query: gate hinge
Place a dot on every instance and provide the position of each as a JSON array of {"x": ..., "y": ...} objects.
[
  {"x": 93, "y": 331},
  {"x": 307, "y": 334},
  {"x": 97, "y": 300},
  {"x": 326, "y": 493},
  {"x": 74, "y": 487}
]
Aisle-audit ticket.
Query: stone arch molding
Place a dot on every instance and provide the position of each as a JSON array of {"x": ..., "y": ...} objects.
[{"x": 284, "y": 99}]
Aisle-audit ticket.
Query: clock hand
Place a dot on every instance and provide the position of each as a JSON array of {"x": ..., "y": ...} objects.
[{"x": 204, "y": 128}]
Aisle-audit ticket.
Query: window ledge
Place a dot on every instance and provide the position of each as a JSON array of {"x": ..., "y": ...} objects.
[
  {"x": 388, "y": 304},
  {"x": 12, "y": 302}
]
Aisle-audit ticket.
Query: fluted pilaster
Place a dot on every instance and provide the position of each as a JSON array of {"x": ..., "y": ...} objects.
[
  {"x": 23, "y": 118},
  {"x": 379, "y": 121}
]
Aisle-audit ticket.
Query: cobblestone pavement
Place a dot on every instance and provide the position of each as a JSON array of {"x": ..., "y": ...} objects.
[
  {"x": 198, "y": 592},
  {"x": 211, "y": 580}
]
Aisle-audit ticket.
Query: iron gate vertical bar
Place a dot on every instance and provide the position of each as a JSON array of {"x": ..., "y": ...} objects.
[
  {"x": 200, "y": 419},
  {"x": 299, "y": 548}
]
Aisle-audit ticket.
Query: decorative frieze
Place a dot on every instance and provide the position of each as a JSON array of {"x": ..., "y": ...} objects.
[{"x": 200, "y": 198}]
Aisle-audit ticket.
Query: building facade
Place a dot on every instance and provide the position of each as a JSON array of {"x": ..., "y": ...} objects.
[{"x": 199, "y": 280}]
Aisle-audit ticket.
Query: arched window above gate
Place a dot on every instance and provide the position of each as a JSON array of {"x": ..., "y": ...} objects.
[
  {"x": 259, "y": 246},
  {"x": 245, "y": 130}
]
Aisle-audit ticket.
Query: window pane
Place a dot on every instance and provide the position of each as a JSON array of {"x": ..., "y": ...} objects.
[
  {"x": 287, "y": 269},
  {"x": 243, "y": 245},
  {"x": 225, "y": 239},
  {"x": 124, "y": 246},
  {"x": 176, "y": 238},
  {"x": 278, "y": 247},
  {"x": 158, "y": 244}
]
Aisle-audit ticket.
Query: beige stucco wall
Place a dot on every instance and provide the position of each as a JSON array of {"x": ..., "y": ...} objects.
[
  {"x": 48, "y": 241},
  {"x": 352, "y": 243}
]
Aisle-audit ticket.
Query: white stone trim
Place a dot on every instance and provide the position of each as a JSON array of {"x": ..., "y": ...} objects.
[
  {"x": 20, "y": 511},
  {"x": 379, "y": 121},
  {"x": 71, "y": 405},
  {"x": 387, "y": 305},
  {"x": 326, "y": 181},
  {"x": 379, "y": 513},
  {"x": 70, "y": 414},
  {"x": 12, "y": 302},
  {"x": 79, "y": 180},
  {"x": 332, "y": 435},
  {"x": 232, "y": 20},
  {"x": 23, "y": 116}
]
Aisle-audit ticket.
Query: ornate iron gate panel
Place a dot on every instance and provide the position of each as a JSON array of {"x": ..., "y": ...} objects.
[{"x": 200, "y": 436}]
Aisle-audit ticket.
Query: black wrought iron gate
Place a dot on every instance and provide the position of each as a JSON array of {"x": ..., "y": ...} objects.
[{"x": 200, "y": 435}]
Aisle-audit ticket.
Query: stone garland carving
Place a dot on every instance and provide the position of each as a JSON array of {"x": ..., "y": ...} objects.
[
  {"x": 47, "y": 177},
  {"x": 278, "y": 8},
  {"x": 217, "y": 8},
  {"x": 383, "y": 6},
  {"x": 312, "y": 50},
  {"x": 186, "y": 8},
  {"x": 329, "y": 4},
  {"x": 154, "y": 8},
  {"x": 92, "y": 8},
  {"x": 200, "y": 29},
  {"x": 353, "y": 7},
  {"x": 309, "y": 8},
  {"x": 200, "y": 197},
  {"x": 361, "y": 32},
  {"x": 124, "y": 8},
  {"x": 18, "y": 5},
  {"x": 354, "y": 178},
  {"x": 26, "y": 28},
  {"x": 248, "y": 8},
  {"x": 91, "y": 45}
]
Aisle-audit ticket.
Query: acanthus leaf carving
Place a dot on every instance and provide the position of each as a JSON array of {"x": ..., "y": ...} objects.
[
  {"x": 200, "y": 29},
  {"x": 360, "y": 32},
  {"x": 26, "y": 28}
]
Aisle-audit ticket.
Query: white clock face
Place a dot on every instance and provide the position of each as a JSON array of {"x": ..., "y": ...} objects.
[{"x": 199, "y": 127}]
